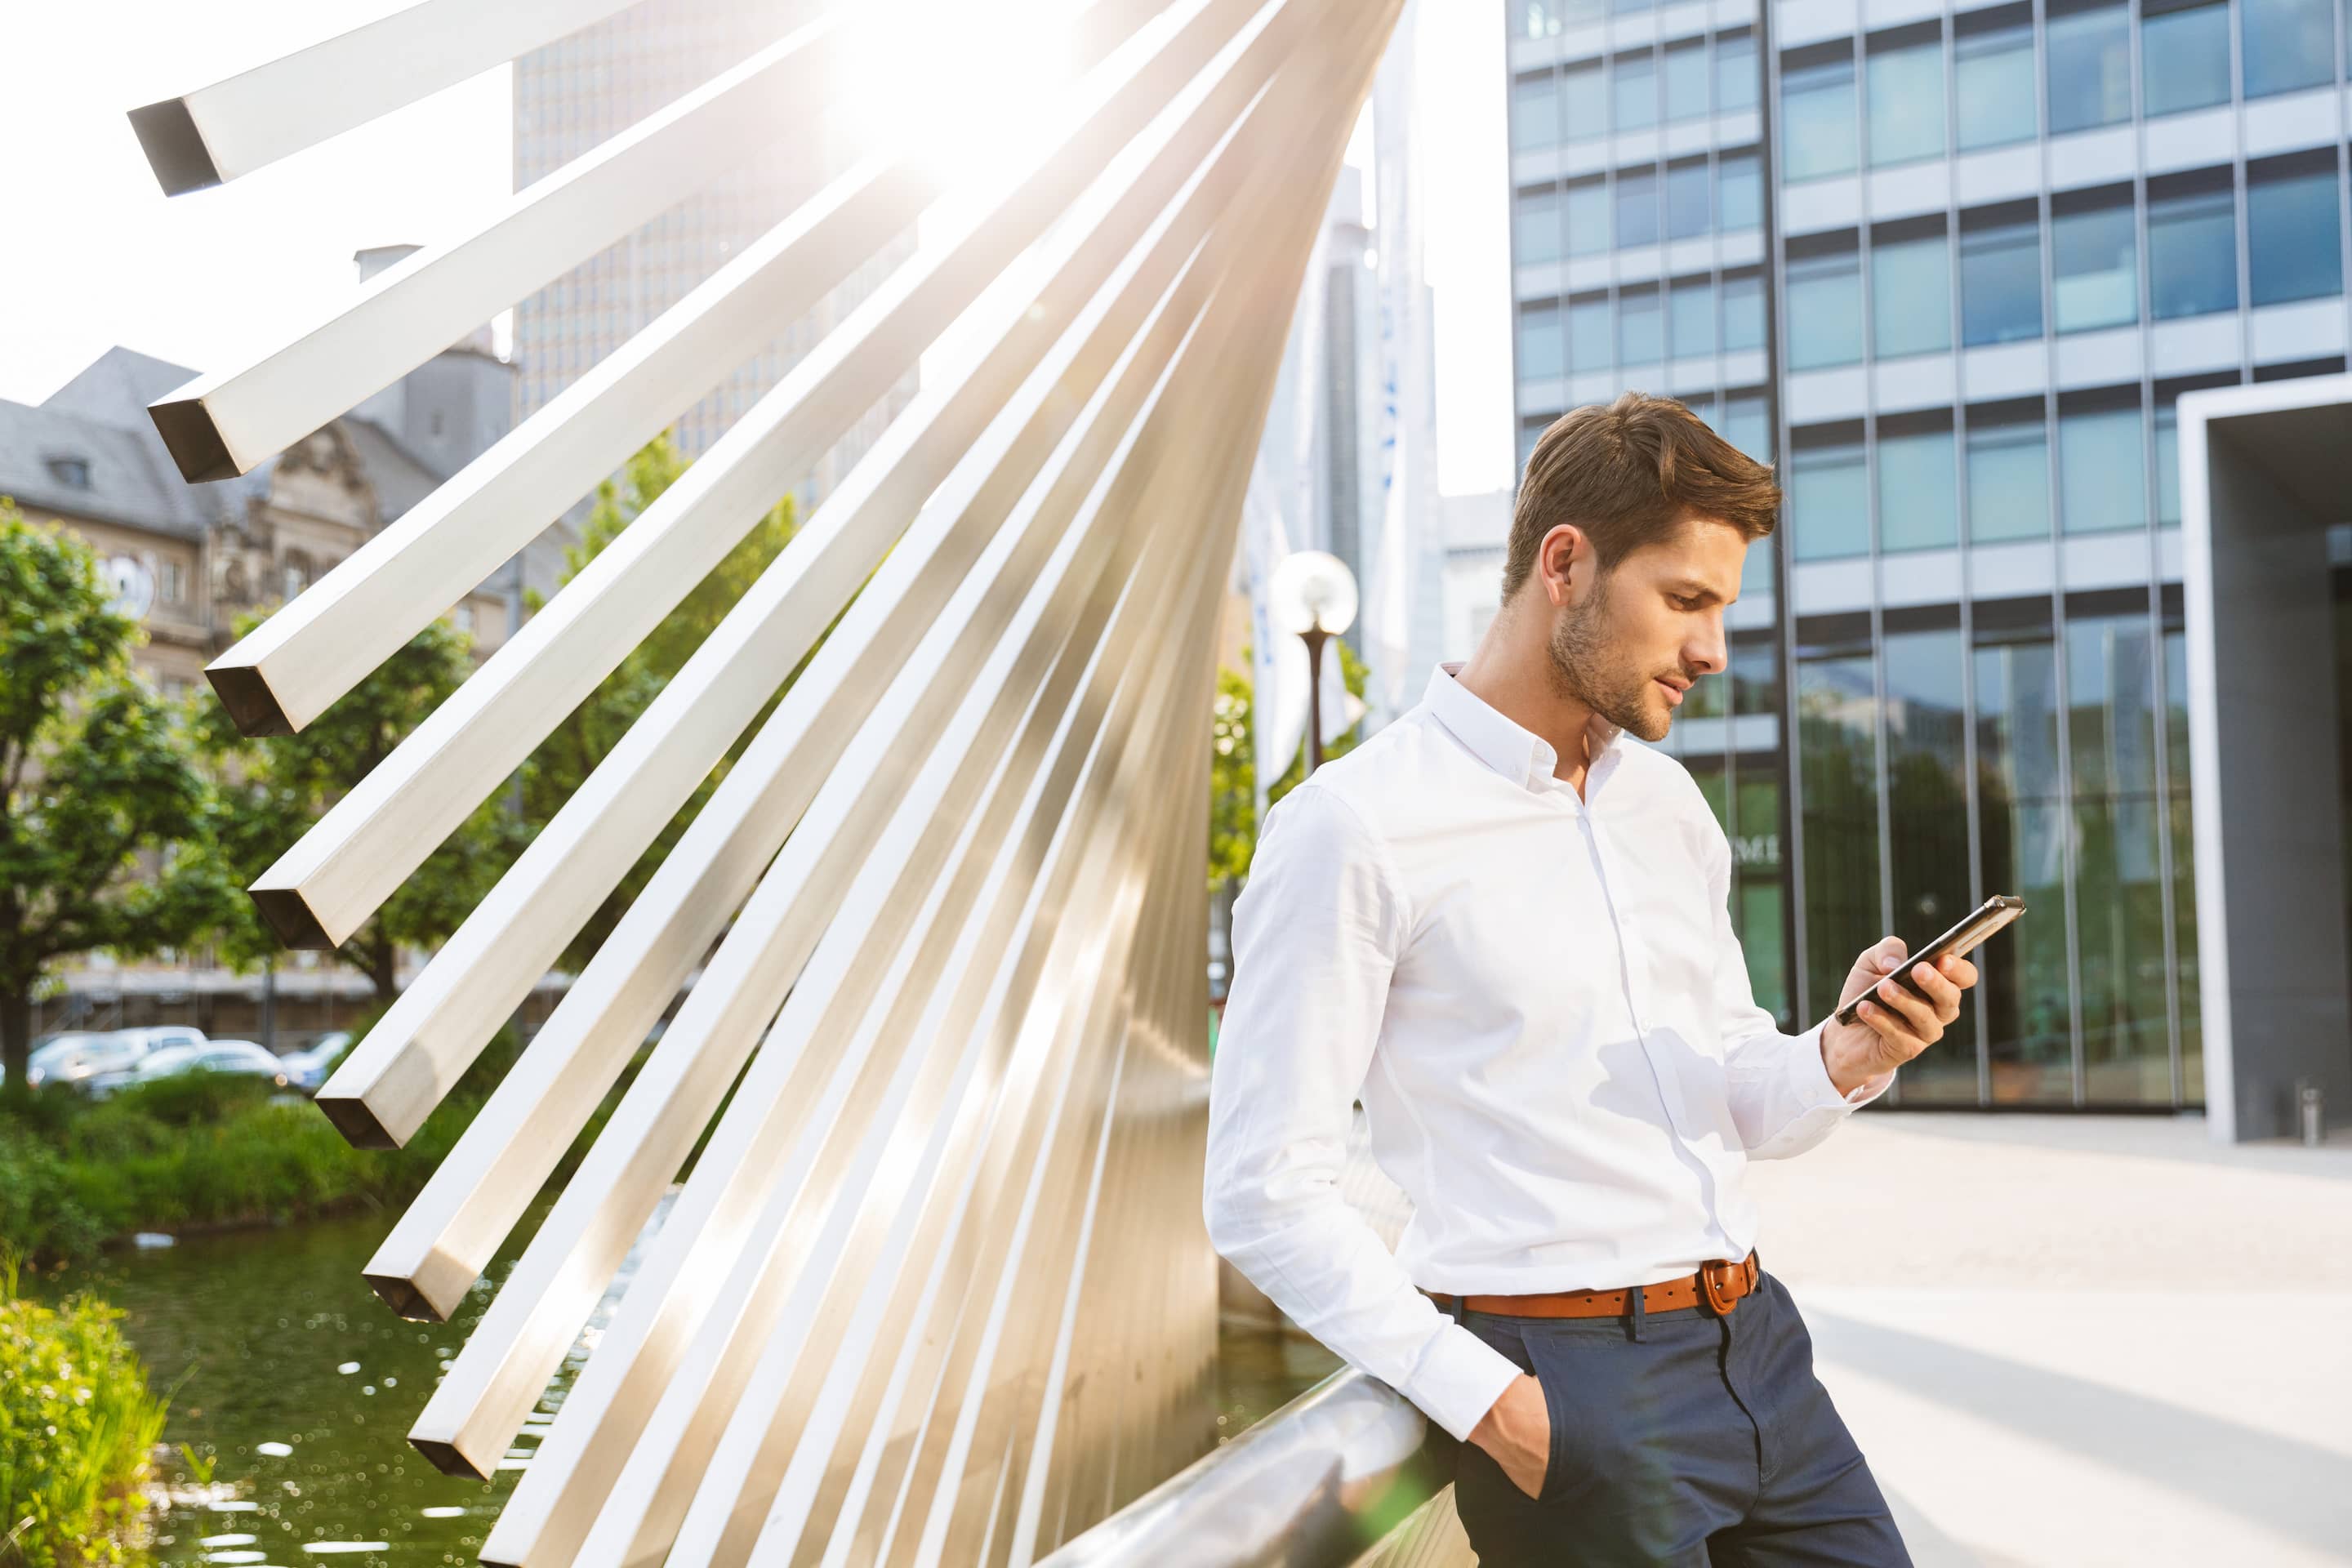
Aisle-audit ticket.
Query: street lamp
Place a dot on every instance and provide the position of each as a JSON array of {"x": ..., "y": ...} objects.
[{"x": 1313, "y": 594}]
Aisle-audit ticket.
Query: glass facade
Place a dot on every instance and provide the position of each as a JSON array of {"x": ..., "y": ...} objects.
[{"x": 1954, "y": 283}]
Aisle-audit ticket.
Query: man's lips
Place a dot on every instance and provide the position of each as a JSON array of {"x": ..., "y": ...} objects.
[{"x": 1674, "y": 692}]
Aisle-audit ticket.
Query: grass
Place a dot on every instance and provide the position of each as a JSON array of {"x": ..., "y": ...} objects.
[{"x": 77, "y": 1423}]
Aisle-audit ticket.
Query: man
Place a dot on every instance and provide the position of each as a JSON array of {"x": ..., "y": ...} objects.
[{"x": 1503, "y": 925}]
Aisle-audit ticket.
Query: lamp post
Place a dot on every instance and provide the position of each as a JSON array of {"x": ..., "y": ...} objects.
[{"x": 1313, "y": 596}]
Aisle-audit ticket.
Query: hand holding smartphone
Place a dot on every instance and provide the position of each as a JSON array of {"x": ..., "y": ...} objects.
[{"x": 1959, "y": 941}]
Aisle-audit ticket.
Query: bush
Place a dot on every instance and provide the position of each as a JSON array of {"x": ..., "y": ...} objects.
[
  {"x": 77, "y": 1422},
  {"x": 201, "y": 1150}
]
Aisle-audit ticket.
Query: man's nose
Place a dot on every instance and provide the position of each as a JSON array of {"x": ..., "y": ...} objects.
[{"x": 1707, "y": 654}]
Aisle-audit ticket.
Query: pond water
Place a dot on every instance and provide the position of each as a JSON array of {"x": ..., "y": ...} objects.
[{"x": 299, "y": 1386}]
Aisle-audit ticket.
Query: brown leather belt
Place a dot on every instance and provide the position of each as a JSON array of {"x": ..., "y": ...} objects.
[{"x": 1720, "y": 1283}]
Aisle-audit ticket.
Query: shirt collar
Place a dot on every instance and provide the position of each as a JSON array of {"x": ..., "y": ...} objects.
[{"x": 1512, "y": 750}]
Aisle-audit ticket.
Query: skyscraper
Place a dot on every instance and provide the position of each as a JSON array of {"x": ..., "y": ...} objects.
[
  {"x": 582, "y": 89},
  {"x": 1952, "y": 264}
]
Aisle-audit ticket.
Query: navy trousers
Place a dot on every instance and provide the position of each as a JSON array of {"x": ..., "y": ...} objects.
[{"x": 1679, "y": 1438}]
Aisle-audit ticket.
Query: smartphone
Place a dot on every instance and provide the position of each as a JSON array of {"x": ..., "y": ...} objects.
[{"x": 1959, "y": 941}]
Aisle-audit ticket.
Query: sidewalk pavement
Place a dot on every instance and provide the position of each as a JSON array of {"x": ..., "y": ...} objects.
[{"x": 2080, "y": 1341}]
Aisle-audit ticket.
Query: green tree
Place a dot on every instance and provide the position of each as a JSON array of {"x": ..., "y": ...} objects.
[
  {"x": 1233, "y": 765},
  {"x": 104, "y": 817},
  {"x": 573, "y": 749},
  {"x": 270, "y": 791}
]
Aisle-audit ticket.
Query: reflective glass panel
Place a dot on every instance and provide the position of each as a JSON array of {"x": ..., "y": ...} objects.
[
  {"x": 2185, "y": 59},
  {"x": 2102, "y": 470},
  {"x": 1927, "y": 828},
  {"x": 2000, "y": 284},
  {"x": 1541, "y": 351},
  {"x": 1824, "y": 311},
  {"x": 2090, "y": 68},
  {"x": 1817, "y": 121},
  {"x": 1634, "y": 92},
  {"x": 1906, "y": 104},
  {"x": 2292, "y": 246},
  {"x": 2094, "y": 267},
  {"x": 1637, "y": 207},
  {"x": 2009, "y": 482},
  {"x": 1829, "y": 503},
  {"x": 2192, "y": 255},
  {"x": 1534, "y": 234},
  {"x": 1993, "y": 82},
  {"x": 1911, "y": 296},
  {"x": 2289, "y": 44},
  {"x": 1918, "y": 496},
  {"x": 1692, "y": 328}
]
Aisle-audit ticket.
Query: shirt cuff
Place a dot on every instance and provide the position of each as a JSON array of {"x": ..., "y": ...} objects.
[
  {"x": 1816, "y": 1090},
  {"x": 1460, "y": 1377}
]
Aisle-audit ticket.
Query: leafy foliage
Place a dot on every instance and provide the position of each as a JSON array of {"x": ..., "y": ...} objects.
[
  {"x": 77, "y": 1422},
  {"x": 1233, "y": 765},
  {"x": 272, "y": 790},
  {"x": 571, "y": 750},
  {"x": 105, "y": 821}
]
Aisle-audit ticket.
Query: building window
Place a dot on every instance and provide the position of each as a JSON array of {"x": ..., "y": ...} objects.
[
  {"x": 1537, "y": 230},
  {"x": 2009, "y": 477},
  {"x": 1738, "y": 193},
  {"x": 1911, "y": 296},
  {"x": 1541, "y": 349},
  {"x": 2168, "y": 466},
  {"x": 2090, "y": 68},
  {"x": 1907, "y": 103},
  {"x": 1591, "y": 334},
  {"x": 1824, "y": 311},
  {"x": 1927, "y": 850},
  {"x": 2289, "y": 44},
  {"x": 2094, "y": 264},
  {"x": 1746, "y": 427},
  {"x": 1583, "y": 102},
  {"x": 2000, "y": 284},
  {"x": 1918, "y": 490},
  {"x": 2118, "y": 883},
  {"x": 1743, "y": 312},
  {"x": 1535, "y": 111},
  {"x": 1686, "y": 200},
  {"x": 1691, "y": 319},
  {"x": 2101, "y": 469},
  {"x": 2192, "y": 252},
  {"x": 2021, "y": 812},
  {"x": 1817, "y": 119},
  {"x": 1829, "y": 502},
  {"x": 174, "y": 583},
  {"x": 2184, "y": 57},
  {"x": 1587, "y": 217},
  {"x": 1735, "y": 72},
  {"x": 1641, "y": 336},
  {"x": 1637, "y": 207},
  {"x": 1687, "y": 81},
  {"x": 2291, "y": 248},
  {"x": 1994, "y": 81},
  {"x": 71, "y": 473},
  {"x": 1633, "y": 92},
  {"x": 1837, "y": 739}
]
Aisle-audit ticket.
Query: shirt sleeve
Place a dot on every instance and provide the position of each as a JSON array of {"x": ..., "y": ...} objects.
[
  {"x": 1782, "y": 1099},
  {"x": 1315, "y": 933}
]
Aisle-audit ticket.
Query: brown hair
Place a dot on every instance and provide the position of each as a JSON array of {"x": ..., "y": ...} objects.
[{"x": 1625, "y": 473}]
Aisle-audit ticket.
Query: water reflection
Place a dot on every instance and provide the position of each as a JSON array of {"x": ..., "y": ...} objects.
[{"x": 299, "y": 1387}]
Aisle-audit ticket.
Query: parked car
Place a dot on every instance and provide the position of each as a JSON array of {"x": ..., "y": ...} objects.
[
  {"x": 73, "y": 1062},
  {"x": 307, "y": 1068},
  {"x": 241, "y": 1058}
]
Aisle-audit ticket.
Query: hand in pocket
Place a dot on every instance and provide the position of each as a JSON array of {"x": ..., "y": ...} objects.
[{"x": 1517, "y": 1433}]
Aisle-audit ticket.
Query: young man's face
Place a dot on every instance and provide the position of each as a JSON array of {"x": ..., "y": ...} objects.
[{"x": 1630, "y": 645}]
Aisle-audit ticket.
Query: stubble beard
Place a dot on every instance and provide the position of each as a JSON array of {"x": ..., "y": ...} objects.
[{"x": 1586, "y": 667}]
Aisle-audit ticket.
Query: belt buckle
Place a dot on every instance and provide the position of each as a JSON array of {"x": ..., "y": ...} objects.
[{"x": 1715, "y": 1278}]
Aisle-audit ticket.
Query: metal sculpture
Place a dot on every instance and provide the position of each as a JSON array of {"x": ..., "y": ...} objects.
[{"x": 938, "y": 1274}]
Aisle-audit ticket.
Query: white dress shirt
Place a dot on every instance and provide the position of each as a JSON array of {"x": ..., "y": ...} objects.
[{"x": 1540, "y": 1002}]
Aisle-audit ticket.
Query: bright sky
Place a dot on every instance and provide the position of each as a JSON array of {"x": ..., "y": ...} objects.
[{"x": 99, "y": 257}]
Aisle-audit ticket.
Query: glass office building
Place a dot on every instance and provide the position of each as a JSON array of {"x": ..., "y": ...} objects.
[{"x": 1950, "y": 267}]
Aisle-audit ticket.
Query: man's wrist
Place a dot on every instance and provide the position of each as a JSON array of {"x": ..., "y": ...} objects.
[{"x": 1853, "y": 1065}]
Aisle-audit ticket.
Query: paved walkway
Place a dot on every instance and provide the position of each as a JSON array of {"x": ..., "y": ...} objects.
[{"x": 2074, "y": 1342}]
